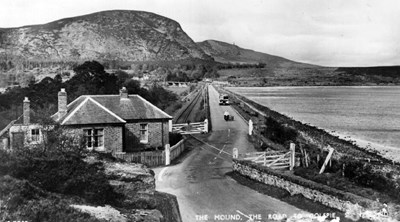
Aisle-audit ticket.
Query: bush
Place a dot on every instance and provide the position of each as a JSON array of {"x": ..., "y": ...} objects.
[
  {"x": 278, "y": 133},
  {"x": 23, "y": 201},
  {"x": 67, "y": 175},
  {"x": 363, "y": 174},
  {"x": 58, "y": 166}
]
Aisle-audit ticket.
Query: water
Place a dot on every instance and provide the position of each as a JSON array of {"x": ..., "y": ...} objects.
[{"x": 369, "y": 115}]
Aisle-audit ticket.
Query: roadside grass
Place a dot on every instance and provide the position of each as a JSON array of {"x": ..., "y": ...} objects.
[{"x": 336, "y": 180}]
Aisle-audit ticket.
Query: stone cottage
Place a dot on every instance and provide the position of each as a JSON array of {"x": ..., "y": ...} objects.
[
  {"x": 22, "y": 132},
  {"x": 114, "y": 123}
]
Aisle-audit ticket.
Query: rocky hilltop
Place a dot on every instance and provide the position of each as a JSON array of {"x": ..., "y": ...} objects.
[{"x": 110, "y": 35}]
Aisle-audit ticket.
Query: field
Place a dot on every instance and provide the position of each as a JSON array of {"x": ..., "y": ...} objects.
[
  {"x": 177, "y": 90},
  {"x": 303, "y": 75}
]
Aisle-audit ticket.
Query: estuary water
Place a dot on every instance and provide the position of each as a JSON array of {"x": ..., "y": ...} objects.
[{"x": 369, "y": 115}]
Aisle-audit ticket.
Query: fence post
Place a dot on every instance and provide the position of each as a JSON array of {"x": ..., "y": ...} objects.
[
  {"x": 167, "y": 155},
  {"x": 327, "y": 160},
  {"x": 5, "y": 143},
  {"x": 170, "y": 125},
  {"x": 142, "y": 157},
  {"x": 235, "y": 153},
  {"x": 292, "y": 155},
  {"x": 265, "y": 158},
  {"x": 250, "y": 127},
  {"x": 206, "y": 125}
]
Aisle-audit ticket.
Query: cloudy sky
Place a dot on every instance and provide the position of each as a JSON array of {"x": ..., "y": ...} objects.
[{"x": 323, "y": 32}]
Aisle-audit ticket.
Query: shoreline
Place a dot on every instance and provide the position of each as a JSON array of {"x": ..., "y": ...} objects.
[{"x": 389, "y": 152}]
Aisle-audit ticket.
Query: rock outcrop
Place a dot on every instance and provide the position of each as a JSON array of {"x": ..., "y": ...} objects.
[{"x": 110, "y": 35}]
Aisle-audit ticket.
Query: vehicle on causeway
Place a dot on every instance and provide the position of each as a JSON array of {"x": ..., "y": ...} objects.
[{"x": 223, "y": 99}]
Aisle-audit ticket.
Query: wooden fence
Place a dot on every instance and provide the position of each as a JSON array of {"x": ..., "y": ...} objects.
[
  {"x": 177, "y": 149},
  {"x": 273, "y": 159},
  {"x": 152, "y": 158}
]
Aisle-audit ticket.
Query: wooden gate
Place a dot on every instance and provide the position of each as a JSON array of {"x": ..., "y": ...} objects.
[
  {"x": 281, "y": 160},
  {"x": 192, "y": 128}
]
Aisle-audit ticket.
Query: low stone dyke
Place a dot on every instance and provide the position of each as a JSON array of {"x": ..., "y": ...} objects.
[{"x": 354, "y": 206}]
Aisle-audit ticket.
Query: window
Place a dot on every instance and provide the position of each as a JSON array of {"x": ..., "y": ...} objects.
[
  {"x": 144, "y": 133},
  {"x": 94, "y": 138},
  {"x": 35, "y": 135}
]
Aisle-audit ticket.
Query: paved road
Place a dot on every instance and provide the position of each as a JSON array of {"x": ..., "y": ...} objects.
[{"x": 199, "y": 180}]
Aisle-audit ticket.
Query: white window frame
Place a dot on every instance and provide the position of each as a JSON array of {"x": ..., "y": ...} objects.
[
  {"x": 35, "y": 138},
  {"x": 93, "y": 137},
  {"x": 144, "y": 130}
]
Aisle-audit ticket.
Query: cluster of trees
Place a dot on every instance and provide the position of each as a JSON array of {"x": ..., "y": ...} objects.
[
  {"x": 191, "y": 73},
  {"x": 8, "y": 62},
  {"x": 90, "y": 79},
  {"x": 22, "y": 79},
  {"x": 241, "y": 65}
]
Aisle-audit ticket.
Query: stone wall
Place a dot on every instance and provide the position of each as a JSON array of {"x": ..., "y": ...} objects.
[
  {"x": 112, "y": 136},
  {"x": 354, "y": 206},
  {"x": 157, "y": 133}
]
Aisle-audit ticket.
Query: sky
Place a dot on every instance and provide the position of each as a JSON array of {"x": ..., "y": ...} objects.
[{"x": 322, "y": 32}]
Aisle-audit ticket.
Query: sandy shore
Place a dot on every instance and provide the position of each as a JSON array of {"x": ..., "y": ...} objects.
[{"x": 389, "y": 152}]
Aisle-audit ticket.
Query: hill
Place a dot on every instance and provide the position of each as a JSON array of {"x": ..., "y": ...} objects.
[
  {"x": 109, "y": 35},
  {"x": 144, "y": 42},
  {"x": 229, "y": 53},
  {"x": 278, "y": 71}
]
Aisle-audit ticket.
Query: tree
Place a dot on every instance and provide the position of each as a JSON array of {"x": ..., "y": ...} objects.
[
  {"x": 92, "y": 76},
  {"x": 132, "y": 86},
  {"x": 122, "y": 77}
]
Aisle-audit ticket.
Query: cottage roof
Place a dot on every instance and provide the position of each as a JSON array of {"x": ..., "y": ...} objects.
[{"x": 96, "y": 109}]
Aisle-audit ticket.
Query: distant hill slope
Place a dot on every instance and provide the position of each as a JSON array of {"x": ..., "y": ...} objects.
[
  {"x": 112, "y": 35},
  {"x": 280, "y": 71},
  {"x": 225, "y": 52}
]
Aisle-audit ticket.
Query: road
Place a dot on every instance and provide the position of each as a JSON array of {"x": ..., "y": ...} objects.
[{"x": 200, "y": 183}]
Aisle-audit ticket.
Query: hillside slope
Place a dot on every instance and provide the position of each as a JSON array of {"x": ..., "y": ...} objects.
[
  {"x": 225, "y": 52},
  {"x": 111, "y": 35}
]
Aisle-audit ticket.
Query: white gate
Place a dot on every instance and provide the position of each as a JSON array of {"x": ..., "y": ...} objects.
[{"x": 191, "y": 128}]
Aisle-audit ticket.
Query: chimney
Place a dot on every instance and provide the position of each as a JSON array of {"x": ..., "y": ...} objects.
[
  {"x": 27, "y": 111},
  {"x": 123, "y": 93},
  {"x": 62, "y": 103}
]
